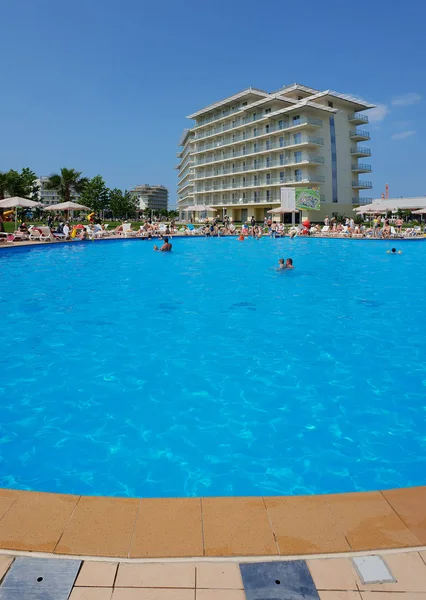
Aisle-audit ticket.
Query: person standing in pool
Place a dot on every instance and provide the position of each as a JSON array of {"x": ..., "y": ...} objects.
[{"x": 166, "y": 247}]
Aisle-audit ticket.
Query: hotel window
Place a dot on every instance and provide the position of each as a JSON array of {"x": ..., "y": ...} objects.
[
  {"x": 267, "y": 111},
  {"x": 282, "y": 159},
  {"x": 268, "y": 194},
  {"x": 296, "y": 120},
  {"x": 297, "y": 138},
  {"x": 244, "y": 181},
  {"x": 298, "y": 174},
  {"x": 297, "y": 157},
  {"x": 281, "y": 176},
  {"x": 244, "y": 150},
  {"x": 244, "y": 195},
  {"x": 256, "y": 196},
  {"x": 268, "y": 161},
  {"x": 281, "y": 142},
  {"x": 244, "y": 104},
  {"x": 233, "y": 196},
  {"x": 267, "y": 144},
  {"x": 330, "y": 104},
  {"x": 244, "y": 165},
  {"x": 268, "y": 179},
  {"x": 266, "y": 128},
  {"x": 233, "y": 137},
  {"x": 254, "y": 116},
  {"x": 255, "y": 163},
  {"x": 255, "y": 180},
  {"x": 254, "y": 132},
  {"x": 244, "y": 135},
  {"x": 280, "y": 124},
  {"x": 255, "y": 147}
]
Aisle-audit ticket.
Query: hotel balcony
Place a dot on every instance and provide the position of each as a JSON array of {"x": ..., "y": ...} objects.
[
  {"x": 305, "y": 159},
  {"x": 361, "y": 168},
  {"x": 360, "y": 151},
  {"x": 359, "y": 135},
  {"x": 261, "y": 148},
  {"x": 250, "y": 199},
  {"x": 362, "y": 185},
  {"x": 259, "y": 182},
  {"x": 358, "y": 118},
  {"x": 362, "y": 201},
  {"x": 263, "y": 130}
]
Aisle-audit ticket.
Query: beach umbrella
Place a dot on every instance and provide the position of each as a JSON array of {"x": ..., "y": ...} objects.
[
  {"x": 282, "y": 211},
  {"x": 17, "y": 202},
  {"x": 67, "y": 206}
]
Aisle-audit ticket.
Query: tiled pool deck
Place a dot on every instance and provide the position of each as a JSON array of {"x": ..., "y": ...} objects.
[
  {"x": 212, "y": 527},
  {"x": 333, "y": 578}
]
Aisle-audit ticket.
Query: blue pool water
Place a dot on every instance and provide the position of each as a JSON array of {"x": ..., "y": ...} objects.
[{"x": 205, "y": 372}]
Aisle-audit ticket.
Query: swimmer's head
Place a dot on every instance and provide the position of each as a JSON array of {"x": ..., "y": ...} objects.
[
  {"x": 289, "y": 261},
  {"x": 166, "y": 240},
  {"x": 281, "y": 261},
  {"x": 393, "y": 250}
]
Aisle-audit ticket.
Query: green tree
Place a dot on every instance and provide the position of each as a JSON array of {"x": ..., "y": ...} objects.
[
  {"x": 173, "y": 214},
  {"x": 95, "y": 194},
  {"x": 68, "y": 183},
  {"x": 122, "y": 205}
]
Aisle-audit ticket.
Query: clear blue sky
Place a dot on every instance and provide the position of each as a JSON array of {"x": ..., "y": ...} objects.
[{"x": 105, "y": 86}]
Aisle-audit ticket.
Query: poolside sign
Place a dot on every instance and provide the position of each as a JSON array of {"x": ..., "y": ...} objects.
[
  {"x": 308, "y": 199},
  {"x": 288, "y": 198}
]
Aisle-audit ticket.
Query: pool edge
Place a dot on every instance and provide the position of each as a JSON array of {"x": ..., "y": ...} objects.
[{"x": 172, "y": 528}]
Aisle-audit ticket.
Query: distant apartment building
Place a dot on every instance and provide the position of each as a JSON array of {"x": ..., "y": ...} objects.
[
  {"x": 50, "y": 197},
  {"x": 153, "y": 197},
  {"x": 241, "y": 151}
]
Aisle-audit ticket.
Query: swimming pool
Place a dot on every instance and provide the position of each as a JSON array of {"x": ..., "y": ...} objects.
[{"x": 205, "y": 372}]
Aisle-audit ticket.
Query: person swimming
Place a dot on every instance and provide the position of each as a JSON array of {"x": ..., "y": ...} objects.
[
  {"x": 394, "y": 251},
  {"x": 281, "y": 264},
  {"x": 285, "y": 265},
  {"x": 166, "y": 247}
]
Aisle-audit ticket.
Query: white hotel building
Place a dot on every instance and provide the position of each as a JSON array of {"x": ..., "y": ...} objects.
[{"x": 242, "y": 150}]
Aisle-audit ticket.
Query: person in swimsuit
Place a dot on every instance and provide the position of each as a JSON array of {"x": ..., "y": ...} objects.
[{"x": 166, "y": 247}]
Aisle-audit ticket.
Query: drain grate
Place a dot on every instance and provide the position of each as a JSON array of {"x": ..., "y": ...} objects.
[
  {"x": 39, "y": 579},
  {"x": 373, "y": 569},
  {"x": 289, "y": 580}
]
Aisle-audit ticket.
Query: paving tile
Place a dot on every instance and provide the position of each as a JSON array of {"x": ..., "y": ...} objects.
[
  {"x": 237, "y": 527},
  {"x": 409, "y": 571},
  {"x": 392, "y": 596},
  {"x": 100, "y": 526},
  {"x": 304, "y": 525},
  {"x": 220, "y": 595},
  {"x": 410, "y": 504},
  {"x": 372, "y": 569},
  {"x": 152, "y": 594},
  {"x": 97, "y": 574},
  {"x": 369, "y": 522},
  {"x": 39, "y": 578},
  {"x": 333, "y": 574},
  {"x": 5, "y": 562},
  {"x": 339, "y": 595},
  {"x": 219, "y": 576},
  {"x": 168, "y": 527},
  {"x": 7, "y": 498},
  {"x": 91, "y": 593},
  {"x": 289, "y": 580},
  {"x": 156, "y": 575},
  {"x": 36, "y": 521}
]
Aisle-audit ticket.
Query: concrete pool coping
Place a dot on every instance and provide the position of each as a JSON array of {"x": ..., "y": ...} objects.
[
  {"x": 142, "y": 528},
  {"x": 35, "y": 243}
]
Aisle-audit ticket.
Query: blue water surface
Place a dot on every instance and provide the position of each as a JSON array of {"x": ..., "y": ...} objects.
[{"x": 205, "y": 372}]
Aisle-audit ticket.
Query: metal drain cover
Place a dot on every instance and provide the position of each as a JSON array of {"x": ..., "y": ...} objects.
[
  {"x": 373, "y": 569},
  {"x": 289, "y": 580},
  {"x": 39, "y": 579}
]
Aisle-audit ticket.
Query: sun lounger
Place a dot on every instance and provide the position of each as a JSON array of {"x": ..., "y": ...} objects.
[
  {"x": 127, "y": 230},
  {"x": 325, "y": 230}
]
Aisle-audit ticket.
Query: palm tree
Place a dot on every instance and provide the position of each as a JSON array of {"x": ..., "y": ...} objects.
[{"x": 68, "y": 182}]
